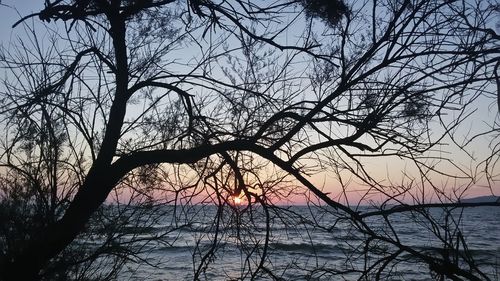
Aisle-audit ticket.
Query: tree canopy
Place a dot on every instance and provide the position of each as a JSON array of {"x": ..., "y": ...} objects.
[{"x": 147, "y": 103}]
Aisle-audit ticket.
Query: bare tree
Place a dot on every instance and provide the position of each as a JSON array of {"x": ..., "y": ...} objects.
[{"x": 145, "y": 103}]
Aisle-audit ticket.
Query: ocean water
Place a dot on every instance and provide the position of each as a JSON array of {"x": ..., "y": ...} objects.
[{"x": 306, "y": 243}]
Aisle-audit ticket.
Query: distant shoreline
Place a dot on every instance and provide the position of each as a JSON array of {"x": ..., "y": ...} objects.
[{"x": 481, "y": 199}]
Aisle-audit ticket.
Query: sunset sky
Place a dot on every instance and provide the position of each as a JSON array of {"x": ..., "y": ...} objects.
[{"x": 389, "y": 170}]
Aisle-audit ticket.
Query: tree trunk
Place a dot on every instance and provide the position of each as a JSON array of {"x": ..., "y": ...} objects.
[{"x": 30, "y": 263}]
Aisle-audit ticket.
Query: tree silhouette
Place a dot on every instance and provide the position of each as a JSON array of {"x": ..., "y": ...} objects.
[{"x": 183, "y": 102}]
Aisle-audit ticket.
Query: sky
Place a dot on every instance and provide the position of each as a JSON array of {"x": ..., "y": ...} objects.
[{"x": 11, "y": 11}]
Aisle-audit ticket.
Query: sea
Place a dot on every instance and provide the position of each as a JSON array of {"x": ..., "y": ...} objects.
[{"x": 206, "y": 242}]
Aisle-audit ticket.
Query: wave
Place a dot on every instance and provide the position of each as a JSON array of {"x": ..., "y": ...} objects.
[{"x": 307, "y": 247}]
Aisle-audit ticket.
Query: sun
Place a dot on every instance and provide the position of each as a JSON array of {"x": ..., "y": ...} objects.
[{"x": 237, "y": 200}]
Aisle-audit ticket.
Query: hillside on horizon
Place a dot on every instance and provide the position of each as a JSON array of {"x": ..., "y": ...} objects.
[{"x": 481, "y": 199}]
